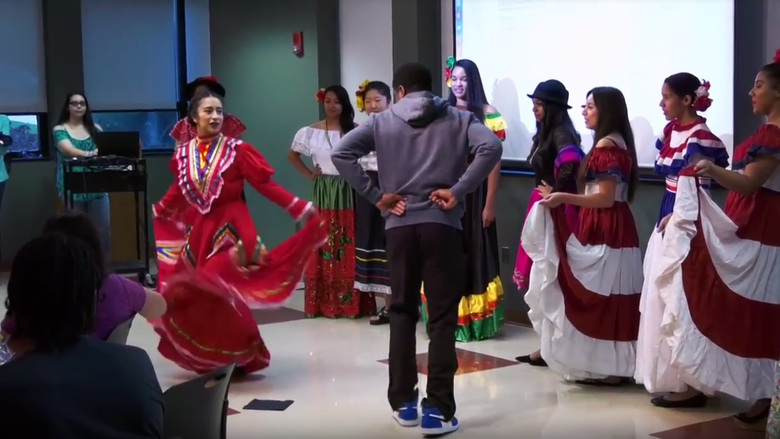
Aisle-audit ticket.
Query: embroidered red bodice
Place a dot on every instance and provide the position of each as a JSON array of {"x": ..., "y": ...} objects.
[{"x": 211, "y": 172}]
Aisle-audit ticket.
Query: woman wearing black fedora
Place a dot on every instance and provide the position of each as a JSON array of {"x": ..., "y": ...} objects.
[
  {"x": 555, "y": 158},
  {"x": 586, "y": 283},
  {"x": 185, "y": 130}
]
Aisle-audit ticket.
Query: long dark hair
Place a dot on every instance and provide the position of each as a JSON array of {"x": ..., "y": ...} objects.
[
  {"x": 87, "y": 120},
  {"x": 476, "y": 99},
  {"x": 79, "y": 225},
  {"x": 613, "y": 118},
  {"x": 347, "y": 117},
  {"x": 52, "y": 291},
  {"x": 555, "y": 128}
]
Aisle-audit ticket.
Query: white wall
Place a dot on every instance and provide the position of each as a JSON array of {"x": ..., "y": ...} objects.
[{"x": 366, "y": 44}]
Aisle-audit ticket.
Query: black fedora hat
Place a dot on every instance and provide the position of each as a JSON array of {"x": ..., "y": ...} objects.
[
  {"x": 209, "y": 82},
  {"x": 552, "y": 91}
]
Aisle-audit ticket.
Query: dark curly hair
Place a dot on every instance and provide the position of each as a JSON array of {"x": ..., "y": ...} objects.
[{"x": 52, "y": 292}]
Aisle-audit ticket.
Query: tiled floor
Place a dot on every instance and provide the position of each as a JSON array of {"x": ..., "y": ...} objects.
[{"x": 334, "y": 371}]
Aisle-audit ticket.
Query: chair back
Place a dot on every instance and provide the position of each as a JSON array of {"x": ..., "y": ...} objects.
[
  {"x": 198, "y": 408},
  {"x": 120, "y": 333}
]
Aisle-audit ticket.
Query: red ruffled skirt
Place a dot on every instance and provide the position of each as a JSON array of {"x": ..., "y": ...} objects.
[{"x": 209, "y": 322}]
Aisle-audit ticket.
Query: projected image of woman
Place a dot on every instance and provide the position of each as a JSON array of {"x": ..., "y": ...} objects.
[
  {"x": 719, "y": 279},
  {"x": 555, "y": 158},
  {"x": 481, "y": 311},
  {"x": 685, "y": 140},
  {"x": 372, "y": 275},
  {"x": 330, "y": 277},
  {"x": 586, "y": 283}
]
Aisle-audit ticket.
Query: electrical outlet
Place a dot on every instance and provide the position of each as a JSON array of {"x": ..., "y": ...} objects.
[{"x": 504, "y": 255}]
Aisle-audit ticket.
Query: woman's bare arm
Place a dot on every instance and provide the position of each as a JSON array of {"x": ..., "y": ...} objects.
[
  {"x": 295, "y": 158},
  {"x": 155, "y": 305},
  {"x": 66, "y": 147}
]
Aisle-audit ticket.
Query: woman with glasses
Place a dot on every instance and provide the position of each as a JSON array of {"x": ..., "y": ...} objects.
[{"x": 74, "y": 137}]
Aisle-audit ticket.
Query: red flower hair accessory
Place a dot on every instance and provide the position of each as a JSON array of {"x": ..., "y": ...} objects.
[
  {"x": 320, "y": 96},
  {"x": 702, "y": 101},
  {"x": 777, "y": 56}
]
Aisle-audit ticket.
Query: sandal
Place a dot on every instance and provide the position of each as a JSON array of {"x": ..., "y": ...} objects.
[{"x": 381, "y": 318}]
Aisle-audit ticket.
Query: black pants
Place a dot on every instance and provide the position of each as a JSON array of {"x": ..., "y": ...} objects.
[{"x": 433, "y": 254}]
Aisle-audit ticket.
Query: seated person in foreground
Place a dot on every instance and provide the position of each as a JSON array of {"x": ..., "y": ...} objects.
[
  {"x": 119, "y": 298},
  {"x": 62, "y": 383}
]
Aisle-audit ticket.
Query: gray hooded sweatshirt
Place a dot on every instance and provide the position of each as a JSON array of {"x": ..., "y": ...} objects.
[{"x": 422, "y": 144}]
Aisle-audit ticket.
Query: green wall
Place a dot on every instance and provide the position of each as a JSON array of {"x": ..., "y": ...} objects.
[{"x": 271, "y": 89}]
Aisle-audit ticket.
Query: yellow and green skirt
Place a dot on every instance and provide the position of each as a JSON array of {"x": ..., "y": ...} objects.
[{"x": 481, "y": 311}]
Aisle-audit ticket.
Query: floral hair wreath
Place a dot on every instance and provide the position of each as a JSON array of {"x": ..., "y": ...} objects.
[
  {"x": 361, "y": 96},
  {"x": 776, "y": 59},
  {"x": 320, "y": 95},
  {"x": 702, "y": 101},
  {"x": 448, "y": 67}
]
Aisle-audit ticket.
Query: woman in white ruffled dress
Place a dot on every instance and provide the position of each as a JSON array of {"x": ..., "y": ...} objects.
[
  {"x": 585, "y": 285},
  {"x": 686, "y": 140},
  {"x": 719, "y": 275}
]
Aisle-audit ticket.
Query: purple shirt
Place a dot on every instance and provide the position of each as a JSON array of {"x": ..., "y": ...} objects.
[{"x": 119, "y": 300}]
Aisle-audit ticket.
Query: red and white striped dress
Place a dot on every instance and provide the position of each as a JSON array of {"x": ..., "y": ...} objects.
[
  {"x": 679, "y": 147},
  {"x": 719, "y": 279},
  {"x": 585, "y": 286}
]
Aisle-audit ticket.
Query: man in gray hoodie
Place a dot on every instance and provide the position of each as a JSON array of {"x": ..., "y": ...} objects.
[{"x": 422, "y": 146}]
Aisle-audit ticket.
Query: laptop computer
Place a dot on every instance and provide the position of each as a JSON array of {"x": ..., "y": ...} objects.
[{"x": 118, "y": 144}]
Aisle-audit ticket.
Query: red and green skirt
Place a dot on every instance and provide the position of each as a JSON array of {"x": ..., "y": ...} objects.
[{"x": 330, "y": 277}]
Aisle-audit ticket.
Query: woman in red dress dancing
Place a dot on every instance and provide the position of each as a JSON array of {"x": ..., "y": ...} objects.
[{"x": 212, "y": 264}]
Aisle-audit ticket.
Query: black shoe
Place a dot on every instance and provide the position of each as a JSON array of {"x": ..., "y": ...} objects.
[
  {"x": 604, "y": 383},
  {"x": 694, "y": 402},
  {"x": 538, "y": 362},
  {"x": 753, "y": 423},
  {"x": 380, "y": 319}
]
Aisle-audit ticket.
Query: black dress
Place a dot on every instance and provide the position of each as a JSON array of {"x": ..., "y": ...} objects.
[{"x": 372, "y": 275}]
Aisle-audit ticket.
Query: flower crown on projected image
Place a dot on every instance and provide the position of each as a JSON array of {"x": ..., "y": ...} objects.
[
  {"x": 448, "y": 67},
  {"x": 320, "y": 96},
  {"x": 702, "y": 101},
  {"x": 361, "y": 96}
]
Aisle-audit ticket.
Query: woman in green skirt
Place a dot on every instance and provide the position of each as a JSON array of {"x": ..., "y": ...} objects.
[{"x": 330, "y": 279}]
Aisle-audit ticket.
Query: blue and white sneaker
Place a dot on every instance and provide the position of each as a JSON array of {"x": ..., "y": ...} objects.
[
  {"x": 433, "y": 423},
  {"x": 408, "y": 415}
]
